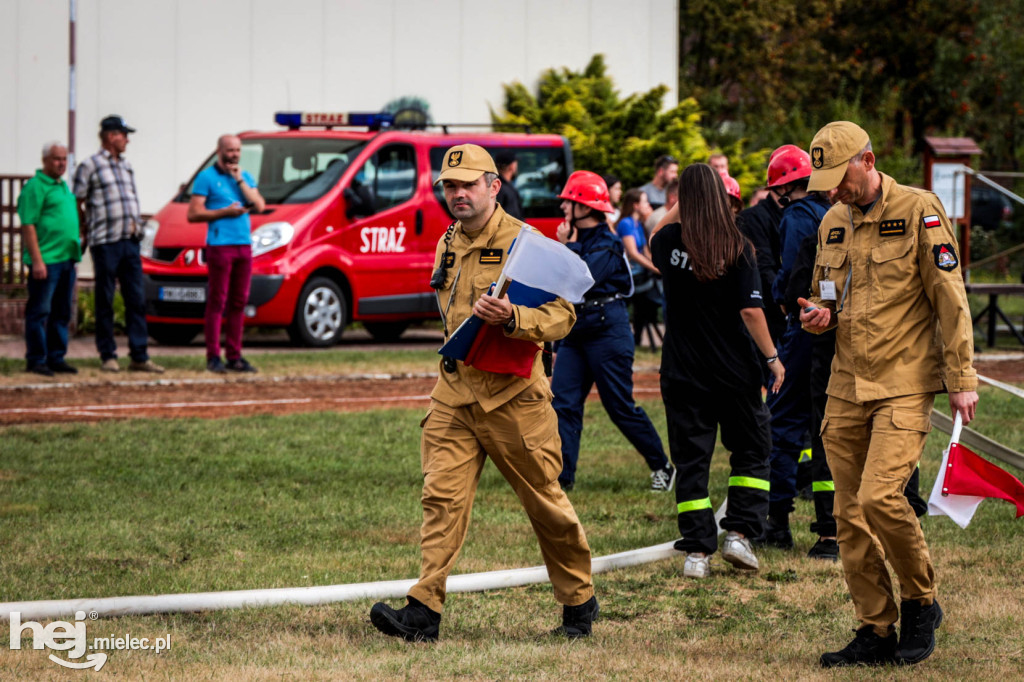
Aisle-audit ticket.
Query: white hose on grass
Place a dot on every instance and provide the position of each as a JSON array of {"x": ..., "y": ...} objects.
[
  {"x": 308, "y": 596},
  {"x": 109, "y": 607}
]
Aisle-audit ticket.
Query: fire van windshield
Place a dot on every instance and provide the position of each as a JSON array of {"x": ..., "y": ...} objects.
[{"x": 292, "y": 170}]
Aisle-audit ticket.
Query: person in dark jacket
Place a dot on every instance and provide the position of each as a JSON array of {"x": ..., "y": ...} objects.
[
  {"x": 760, "y": 224},
  {"x": 508, "y": 195},
  {"x": 788, "y": 171},
  {"x": 599, "y": 349}
]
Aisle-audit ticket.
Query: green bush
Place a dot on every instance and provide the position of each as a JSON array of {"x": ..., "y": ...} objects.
[{"x": 609, "y": 134}]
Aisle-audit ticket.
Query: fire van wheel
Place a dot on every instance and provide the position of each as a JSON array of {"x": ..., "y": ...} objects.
[
  {"x": 385, "y": 332},
  {"x": 174, "y": 334},
  {"x": 319, "y": 314}
]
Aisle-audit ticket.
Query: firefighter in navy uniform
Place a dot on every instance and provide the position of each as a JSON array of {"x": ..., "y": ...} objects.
[
  {"x": 788, "y": 171},
  {"x": 760, "y": 224},
  {"x": 887, "y": 278},
  {"x": 476, "y": 414},
  {"x": 599, "y": 349}
]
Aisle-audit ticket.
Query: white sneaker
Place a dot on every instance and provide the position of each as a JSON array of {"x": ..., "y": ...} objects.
[
  {"x": 662, "y": 480},
  {"x": 697, "y": 565},
  {"x": 737, "y": 551}
]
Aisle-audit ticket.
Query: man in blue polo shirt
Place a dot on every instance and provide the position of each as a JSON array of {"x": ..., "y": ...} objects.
[
  {"x": 222, "y": 196},
  {"x": 49, "y": 227}
]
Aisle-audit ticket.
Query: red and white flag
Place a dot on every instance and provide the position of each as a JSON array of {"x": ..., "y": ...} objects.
[
  {"x": 965, "y": 480},
  {"x": 931, "y": 221}
]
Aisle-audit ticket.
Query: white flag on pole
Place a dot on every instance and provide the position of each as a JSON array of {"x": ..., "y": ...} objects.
[
  {"x": 960, "y": 508},
  {"x": 543, "y": 263}
]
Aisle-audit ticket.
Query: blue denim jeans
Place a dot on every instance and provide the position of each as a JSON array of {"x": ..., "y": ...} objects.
[
  {"x": 48, "y": 313},
  {"x": 112, "y": 263}
]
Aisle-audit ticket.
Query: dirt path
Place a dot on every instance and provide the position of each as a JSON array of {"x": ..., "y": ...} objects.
[
  {"x": 217, "y": 398},
  {"x": 214, "y": 399}
]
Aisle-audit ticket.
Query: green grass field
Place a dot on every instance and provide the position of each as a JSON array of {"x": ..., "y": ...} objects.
[{"x": 149, "y": 506}]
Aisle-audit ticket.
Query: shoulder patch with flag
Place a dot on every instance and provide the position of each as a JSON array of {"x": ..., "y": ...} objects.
[{"x": 931, "y": 221}]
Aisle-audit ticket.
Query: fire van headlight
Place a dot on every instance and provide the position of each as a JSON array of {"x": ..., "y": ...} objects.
[
  {"x": 149, "y": 230},
  {"x": 271, "y": 236}
]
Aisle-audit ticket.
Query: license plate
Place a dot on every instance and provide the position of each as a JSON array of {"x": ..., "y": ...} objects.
[{"x": 183, "y": 294}]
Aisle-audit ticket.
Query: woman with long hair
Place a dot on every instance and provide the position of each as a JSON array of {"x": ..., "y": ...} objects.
[
  {"x": 614, "y": 198},
  {"x": 630, "y": 228},
  {"x": 710, "y": 371}
]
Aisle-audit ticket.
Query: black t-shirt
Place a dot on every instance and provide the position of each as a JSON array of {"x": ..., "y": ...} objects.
[
  {"x": 508, "y": 197},
  {"x": 706, "y": 342}
]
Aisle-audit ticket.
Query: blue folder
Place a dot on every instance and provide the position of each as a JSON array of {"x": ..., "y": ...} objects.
[{"x": 462, "y": 338}]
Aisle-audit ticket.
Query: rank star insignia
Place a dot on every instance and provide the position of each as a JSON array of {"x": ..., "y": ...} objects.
[
  {"x": 818, "y": 157},
  {"x": 892, "y": 228},
  {"x": 455, "y": 159},
  {"x": 945, "y": 257},
  {"x": 447, "y": 260},
  {"x": 490, "y": 256}
]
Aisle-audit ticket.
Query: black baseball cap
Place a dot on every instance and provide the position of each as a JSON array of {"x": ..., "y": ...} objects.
[{"x": 115, "y": 122}]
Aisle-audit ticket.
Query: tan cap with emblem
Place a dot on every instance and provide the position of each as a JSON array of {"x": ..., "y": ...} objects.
[
  {"x": 466, "y": 163},
  {"x": 831, "y": 151}
]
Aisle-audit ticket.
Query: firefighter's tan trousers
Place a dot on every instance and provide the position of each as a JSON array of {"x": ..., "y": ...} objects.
[
  {"x": 521, "y": 438},
  {"x": 872, "y": 450}
]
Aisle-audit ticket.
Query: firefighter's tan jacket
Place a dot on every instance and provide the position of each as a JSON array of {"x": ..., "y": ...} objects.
[
  {"x": 903, "y": 324},
  {"x": 477, "y": 263}
]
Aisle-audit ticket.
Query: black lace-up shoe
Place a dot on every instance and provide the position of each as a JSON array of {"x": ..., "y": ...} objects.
[
  {"x": 41, "y": 370},
  {"x": 240, "y": 365},
  {"x": 867, "y": 648},
  {"x": 414, "y": 622},
  {"x": 918, "y": 624},
  {"x": 62, "y": 368},
  {"x": 577, "y": 620},
  {"x": 826, "y": 550}
]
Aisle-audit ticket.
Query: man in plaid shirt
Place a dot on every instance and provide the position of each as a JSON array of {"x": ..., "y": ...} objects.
[{"x": 105, "y": 188}]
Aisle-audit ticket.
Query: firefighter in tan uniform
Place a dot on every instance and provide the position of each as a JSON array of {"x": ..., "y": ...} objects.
[
  {"x": 887, "y": 270},
  {"x": 475, "y": 414}
]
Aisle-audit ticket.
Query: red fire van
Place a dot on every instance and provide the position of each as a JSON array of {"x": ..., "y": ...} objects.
[{"x": 349, "y": 230}]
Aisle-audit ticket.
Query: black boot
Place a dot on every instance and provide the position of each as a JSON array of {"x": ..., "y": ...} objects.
[
  {"x": 826, "y": 550},
  {"x": 413, "y": 622},
  {"x": 577, "y": 620},
  {"x": 917, "y": 631},
  {"x": 867, "y": 648},
  {"x": 776, "y": 532}
]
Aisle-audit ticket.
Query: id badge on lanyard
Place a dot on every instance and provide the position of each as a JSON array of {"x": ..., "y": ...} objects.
[{"x": 827, "y": 286}]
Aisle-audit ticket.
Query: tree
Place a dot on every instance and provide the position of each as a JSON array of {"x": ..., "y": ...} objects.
[
  {"x": 983, "y": 85},
  {"x": 776, "y": 71},
  {"x": 623, "y": 137}
]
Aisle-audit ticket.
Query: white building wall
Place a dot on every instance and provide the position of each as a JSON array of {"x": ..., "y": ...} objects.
[{"x": 184, "y": 71}]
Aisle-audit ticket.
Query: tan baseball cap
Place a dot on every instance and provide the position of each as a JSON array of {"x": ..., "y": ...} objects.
[
  {"x": 831, "y": 150},
  {"x": 466, "y": 163}
]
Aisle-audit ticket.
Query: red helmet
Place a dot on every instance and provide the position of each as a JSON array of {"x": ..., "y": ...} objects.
[
  {"x": 783, "y": 148},
  {"x": 732, "y": 188},
  {"x": 788, "y": 163},
  {"x": 588, "y": 189}
]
